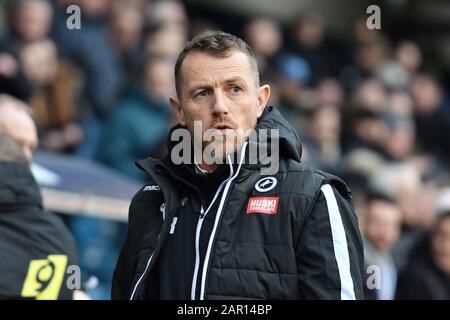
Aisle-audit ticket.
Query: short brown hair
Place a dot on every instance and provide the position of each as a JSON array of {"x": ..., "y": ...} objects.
[{"x": 218, "y": 44}]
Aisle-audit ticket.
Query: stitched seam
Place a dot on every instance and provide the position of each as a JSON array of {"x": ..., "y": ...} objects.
[{"x": 260, "y": 271}]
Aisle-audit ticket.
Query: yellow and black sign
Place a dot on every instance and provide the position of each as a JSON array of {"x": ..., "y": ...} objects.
[{"x": 45, "y": 277}]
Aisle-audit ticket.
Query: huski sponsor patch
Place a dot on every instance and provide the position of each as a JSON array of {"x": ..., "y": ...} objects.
[{"x": 267, "y": 205}]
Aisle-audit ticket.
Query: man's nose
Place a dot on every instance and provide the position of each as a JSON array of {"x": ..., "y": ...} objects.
[{"x": 219, "y": 104}]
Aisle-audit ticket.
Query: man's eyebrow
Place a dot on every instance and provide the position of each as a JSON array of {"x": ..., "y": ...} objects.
[
  {"x": 235, "y": 79},
  {"x": 201, "y": 85},
  {"x": 198, "y": 86}
]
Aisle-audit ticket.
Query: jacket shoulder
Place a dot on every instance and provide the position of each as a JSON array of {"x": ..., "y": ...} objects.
[
  {"x": 145, "y": 211},
  {"x": 304, "y": 179}
]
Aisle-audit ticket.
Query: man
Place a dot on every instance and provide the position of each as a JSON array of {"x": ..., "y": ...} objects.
[
  {"x": 383, "y": 223},
  {"x": 203, "y": 230},
  {"x": 36, "y": 248}
]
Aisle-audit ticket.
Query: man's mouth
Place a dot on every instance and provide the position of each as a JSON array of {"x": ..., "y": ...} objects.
[{"x": 223, "y": 128}]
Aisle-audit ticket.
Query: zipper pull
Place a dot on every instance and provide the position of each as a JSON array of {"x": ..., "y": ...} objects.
[
  {"x": 173, "y": 225},
  {"x": 202, "y": 212},
  {"x": 162, "y": 208}
]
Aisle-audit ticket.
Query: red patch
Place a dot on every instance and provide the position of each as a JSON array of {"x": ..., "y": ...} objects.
[{"x": 268, "y": 205}]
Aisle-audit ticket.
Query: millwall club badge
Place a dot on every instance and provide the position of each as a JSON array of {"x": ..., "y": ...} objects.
[{"x": 266, "y": 184}]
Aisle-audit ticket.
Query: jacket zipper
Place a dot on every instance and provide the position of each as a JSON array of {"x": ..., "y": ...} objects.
[
  {"x": 197, "y": 253},
  {"x": 227, "y": 184},
  {"x": 216, "y": 222},
  {"x": 198, "y": 231}
]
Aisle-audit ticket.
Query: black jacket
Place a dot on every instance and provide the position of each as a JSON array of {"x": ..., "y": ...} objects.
[
  {"x": 35, "y": 246},
  {"x": 289, "y": 250}
]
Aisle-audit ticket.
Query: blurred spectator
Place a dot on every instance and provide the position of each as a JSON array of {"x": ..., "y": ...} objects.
[
  {"x": 126, "y": 30},
  {"x": 362, "y": 34},
  {"x": 428, "y": 273},
  {"x": 401, "y": 137},
  {"x": 368, "y": 56},
  {"x": 400, "y": 104},
  {"x": 55, "y": 86},
  {"x": 35, "y": 247},
  {"x": 364, "y": 126},
  {"x": 382, "y": 229},
  {"x": 165, "y": 28},
  {"x": 402, "y": 182},
  {"x": 167, "y": 40},
  {"x": 408, "y": 54},
  {"x": 309, "y": 41},
  {"x": 92, "y": 51},
  {"x": 371, "y": 95},
  {"x": 265, "y": 38},
  {"x": 31, "y": 19},
  {"x": 166, "y": 12},
  {"x": 432, "y": 117},
  {"x": 365, "y": 130},
  {"x": 323, "y": 141},
  {"x": 330, "y": 92},
  {"x": 292, "y": 75},
  {"x": 138, "y": 127},
  {"x": 363, "y": 162},
  {"x": 393, "y": 75}
]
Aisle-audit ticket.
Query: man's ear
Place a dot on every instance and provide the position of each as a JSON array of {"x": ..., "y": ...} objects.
[
  {"x": 263, "y": 97},
  {"x": 176, "y": 106}
]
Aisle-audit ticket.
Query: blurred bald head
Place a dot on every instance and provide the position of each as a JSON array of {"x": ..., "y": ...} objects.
[{"x": 17, "y": 123}]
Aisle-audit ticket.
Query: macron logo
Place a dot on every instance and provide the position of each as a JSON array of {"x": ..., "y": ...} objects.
[
  {"x": 267, "y": 205},
  {"x": 153, "y": 187}
]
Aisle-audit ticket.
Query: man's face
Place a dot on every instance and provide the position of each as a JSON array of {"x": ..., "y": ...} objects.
[
  {"x": 158, "y": 80},
  {"x": 221, "y": 93},
  {"x": 33, "y": 21},
  {"x": 383, "y": 224}
]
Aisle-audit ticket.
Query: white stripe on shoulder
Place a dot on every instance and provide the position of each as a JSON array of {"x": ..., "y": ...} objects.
[{"x": 340, "y": 244}]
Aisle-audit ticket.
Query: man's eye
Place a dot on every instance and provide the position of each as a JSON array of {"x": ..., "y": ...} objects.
[
  {"x": 202, "y": 93},
  {"x": 235, "y": 89}
]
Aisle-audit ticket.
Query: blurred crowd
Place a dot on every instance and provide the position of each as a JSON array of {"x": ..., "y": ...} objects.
[{"x": 366, "y": 108}]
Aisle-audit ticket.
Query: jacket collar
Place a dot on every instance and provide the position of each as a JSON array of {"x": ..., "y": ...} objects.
[{"x": 18, "y": 186}]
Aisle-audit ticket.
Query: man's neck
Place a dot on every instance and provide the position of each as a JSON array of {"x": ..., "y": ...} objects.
[{"x": 205, "y": 168}]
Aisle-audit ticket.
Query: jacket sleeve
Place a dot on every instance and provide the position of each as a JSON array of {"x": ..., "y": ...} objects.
[
  {"x": 329, "y": 252},
  {"x": 121, "y": 275}
]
